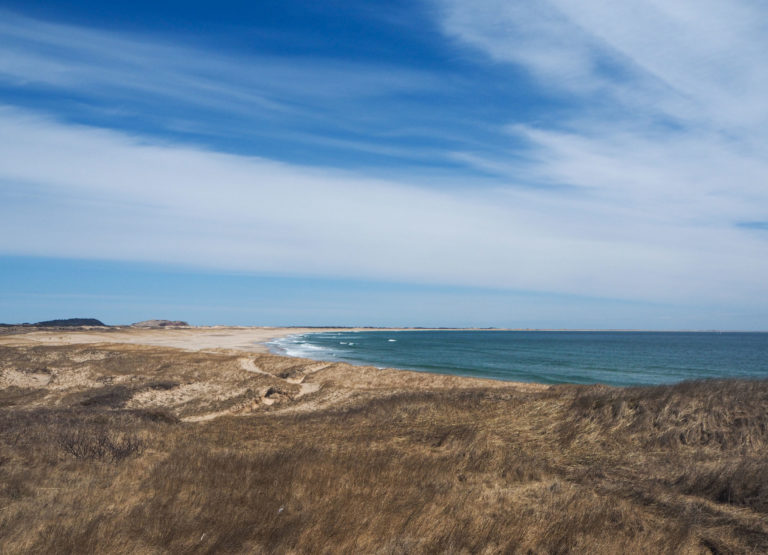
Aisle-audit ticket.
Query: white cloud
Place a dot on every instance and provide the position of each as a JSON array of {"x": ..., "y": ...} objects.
[
  {"x": 701, "y": 62},
  {"x": 668, "y": 132},
  {"x": 83, "y": 192}
]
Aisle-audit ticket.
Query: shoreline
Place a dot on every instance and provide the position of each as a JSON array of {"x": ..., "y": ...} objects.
[
  {"x": 247, "y": 346},
  {"x": 245, "y": 339},
  {"x": 252, "y": 341},
  {"x": 241, "y": 340}
]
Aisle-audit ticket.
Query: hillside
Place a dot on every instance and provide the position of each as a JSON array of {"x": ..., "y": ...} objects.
[{"x": 70, "y": 322}]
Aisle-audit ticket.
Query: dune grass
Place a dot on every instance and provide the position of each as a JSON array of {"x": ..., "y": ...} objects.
[{"x": 676, "y": 469}]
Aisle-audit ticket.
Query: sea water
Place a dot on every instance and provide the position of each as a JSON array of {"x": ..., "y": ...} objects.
[{"x": 583, "y": 357}]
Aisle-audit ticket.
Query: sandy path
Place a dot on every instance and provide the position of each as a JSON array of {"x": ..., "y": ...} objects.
[
  {"x": 249, "y": 366},
  {"x": 305, "y": 387}
]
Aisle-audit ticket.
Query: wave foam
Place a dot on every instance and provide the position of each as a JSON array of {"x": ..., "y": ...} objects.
[{"x": 298, "y": 346}]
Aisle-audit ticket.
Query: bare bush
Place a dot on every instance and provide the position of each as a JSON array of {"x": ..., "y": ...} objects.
[{"x": 88, "y": 443}]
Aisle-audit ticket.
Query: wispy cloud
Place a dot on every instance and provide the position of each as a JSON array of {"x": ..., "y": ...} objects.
[
  {"x": 667, "y": 120},
  {"x": 696, "y": 62},
  {"x": 280, "y": 103},
  {"x": 104, "y": 194},
  {"x": 640, "y": 190}
]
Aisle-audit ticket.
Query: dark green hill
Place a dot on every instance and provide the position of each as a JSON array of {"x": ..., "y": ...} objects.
[{"x": 70, "y": 322}]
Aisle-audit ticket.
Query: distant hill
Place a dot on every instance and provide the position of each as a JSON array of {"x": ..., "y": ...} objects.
[
  {"x": 70, "y": 322},
  {"x": 159, "y": 324}
]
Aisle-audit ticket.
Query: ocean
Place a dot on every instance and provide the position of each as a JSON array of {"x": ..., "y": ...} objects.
[{"x": 551, "y": 357}]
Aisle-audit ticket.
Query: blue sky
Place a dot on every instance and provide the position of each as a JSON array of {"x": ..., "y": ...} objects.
[{"x": 488, "y": 163}]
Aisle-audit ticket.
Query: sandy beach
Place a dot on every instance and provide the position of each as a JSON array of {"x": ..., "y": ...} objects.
[{"x": 246, "y": 339}]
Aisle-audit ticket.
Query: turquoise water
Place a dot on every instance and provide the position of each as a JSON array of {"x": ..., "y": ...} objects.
[{"x": 613, "y": 358}]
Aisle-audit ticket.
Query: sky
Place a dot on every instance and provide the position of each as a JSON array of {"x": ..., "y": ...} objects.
[{"x": 545, "y": 164}]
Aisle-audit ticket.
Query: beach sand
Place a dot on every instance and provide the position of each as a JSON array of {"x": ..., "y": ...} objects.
[{"x": 246, "y": 339}]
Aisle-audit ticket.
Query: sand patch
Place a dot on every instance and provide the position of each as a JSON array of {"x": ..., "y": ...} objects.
[
  {"x": 200, "y": 391},
  {"x": 27, "y": 380}
]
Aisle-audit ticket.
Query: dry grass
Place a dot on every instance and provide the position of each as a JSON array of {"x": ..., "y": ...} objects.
[{"x": 430, "y": 466}]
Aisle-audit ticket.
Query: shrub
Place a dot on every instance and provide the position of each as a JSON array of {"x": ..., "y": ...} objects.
[{"x": 97, "y": 443}]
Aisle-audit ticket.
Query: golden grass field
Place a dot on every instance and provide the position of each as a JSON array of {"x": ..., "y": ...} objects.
[{"x": 129, "y": 448}]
